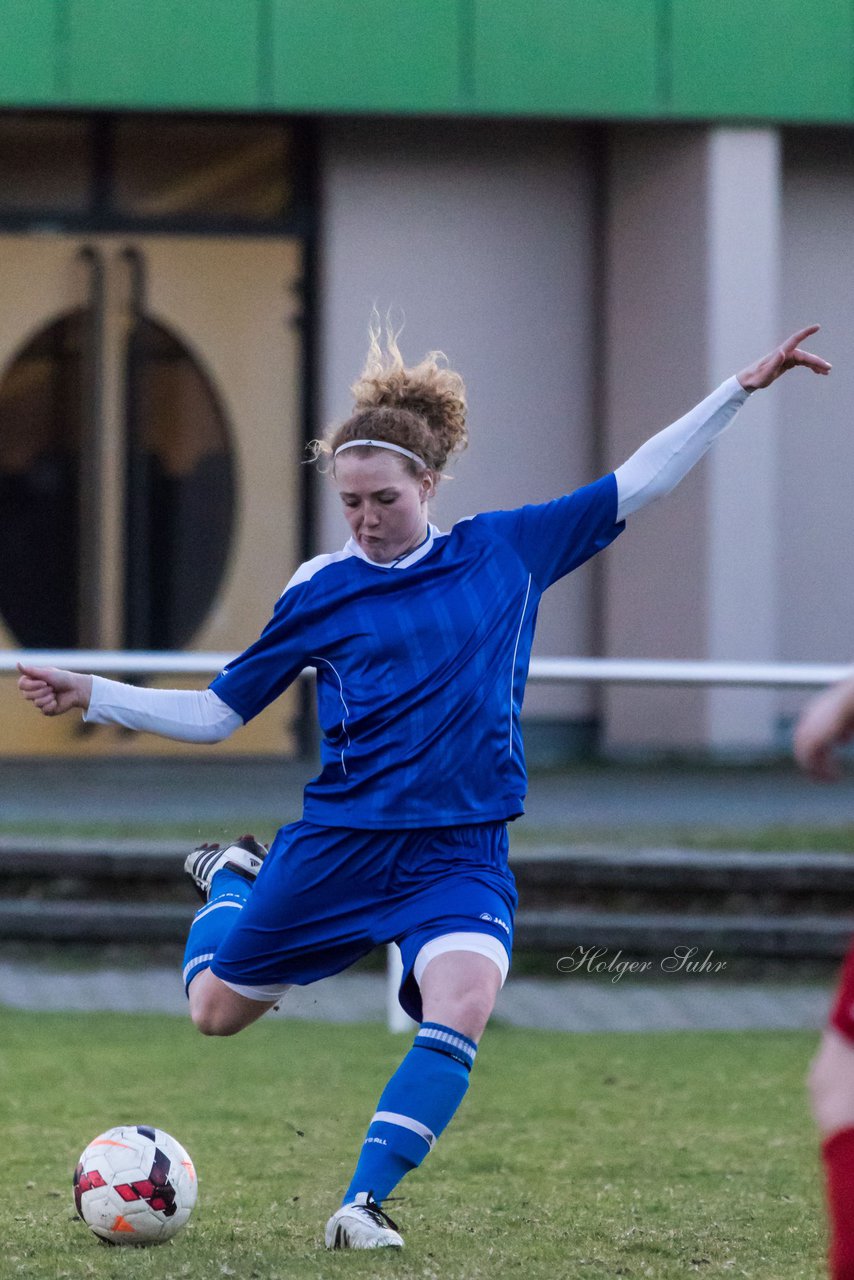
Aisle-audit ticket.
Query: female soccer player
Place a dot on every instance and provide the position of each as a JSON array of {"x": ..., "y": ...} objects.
[
  {"x": 826, "y": 723},
  {"x": 421, "y": 642}
]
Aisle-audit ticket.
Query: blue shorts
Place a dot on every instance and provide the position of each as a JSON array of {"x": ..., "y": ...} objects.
[{"x": 326, "y": 896}]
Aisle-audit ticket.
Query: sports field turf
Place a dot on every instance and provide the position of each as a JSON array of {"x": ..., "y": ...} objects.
[
  {"x": 590, "y": 1156},
  {"x": 828, "y": 838}
]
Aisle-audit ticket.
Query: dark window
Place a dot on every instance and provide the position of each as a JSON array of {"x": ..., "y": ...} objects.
[
  {"x": 180, "y": 491},
  {"x": 46, "y": 163},
  {"x": 196, "y": 168},
  {"x": 153, "y": 172},
  {"x": 179, "y": 498},
  {"x": 41, "y": 402}
]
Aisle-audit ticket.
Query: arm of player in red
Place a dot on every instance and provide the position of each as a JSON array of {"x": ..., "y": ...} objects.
[{"x": 826, "y": 723}]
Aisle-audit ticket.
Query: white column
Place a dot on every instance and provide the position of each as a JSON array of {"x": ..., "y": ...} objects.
[
  {"x": 692, "y": 242},
  {"x": 744, "y": 234}
]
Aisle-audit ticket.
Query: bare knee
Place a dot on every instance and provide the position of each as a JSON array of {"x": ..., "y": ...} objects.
[
  {"x": 210, "y": 1012},
  {"x": 213, "y": 1022},
  {"x": 208, "y": 1008},
  {"x": 217, "y": 1010},
  {"x": 467, "y": 1012},
  {"x": 459, "y": 989},
  {"x": 471, "y": 1013},
  {"x": 831, "y": 1083}
]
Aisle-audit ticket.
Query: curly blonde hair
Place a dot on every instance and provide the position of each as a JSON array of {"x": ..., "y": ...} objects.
[{"x": 422, "y": 408}]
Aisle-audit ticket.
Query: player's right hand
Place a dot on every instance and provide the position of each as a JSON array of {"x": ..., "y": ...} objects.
[{"x": 54, "y": 691}]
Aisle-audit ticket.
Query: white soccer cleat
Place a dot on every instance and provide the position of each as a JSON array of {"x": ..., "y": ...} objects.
[
  {"x": 362, "y": 1225},
  {"x": 244, "y": 857}
]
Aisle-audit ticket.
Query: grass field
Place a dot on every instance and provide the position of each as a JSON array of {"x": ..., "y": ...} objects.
[
  {"x": 773, "y": 838},
  {"x": 593, "y": 1156}
]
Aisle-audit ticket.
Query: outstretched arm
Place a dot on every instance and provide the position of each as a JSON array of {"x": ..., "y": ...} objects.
[
  {"x": 188, "y": 715},
  {"x": 826, "y": 723},
  {"x": 659, "y": 465}
]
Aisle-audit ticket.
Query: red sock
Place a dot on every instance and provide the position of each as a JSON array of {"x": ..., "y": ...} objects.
[{"x": 838, "y": 1155}]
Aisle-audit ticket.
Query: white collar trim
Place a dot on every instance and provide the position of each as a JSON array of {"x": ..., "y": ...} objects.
[{"x": 418, "y": 553}]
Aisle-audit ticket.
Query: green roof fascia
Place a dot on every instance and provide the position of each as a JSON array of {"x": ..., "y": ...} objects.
[
  {"x": 28, "y": 53},
  {"x": 772, "y": 60},
  {"x": 567, "y": 57},
  {"x": 158, "y": 54},
  {"x": 758, "y": 61},
  {"x": 366, "y": 55}
]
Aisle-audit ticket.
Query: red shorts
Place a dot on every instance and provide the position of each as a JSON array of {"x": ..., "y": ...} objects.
[{"x": 842, "y": 1013}]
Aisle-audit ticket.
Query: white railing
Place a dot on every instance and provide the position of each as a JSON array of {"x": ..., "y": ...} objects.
[{"x": 801, "y": 675}]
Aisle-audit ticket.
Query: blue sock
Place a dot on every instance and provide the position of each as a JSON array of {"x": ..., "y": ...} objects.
[
  {"x": 416, "y": 1105},
  {"x": 212, "y": 922}
]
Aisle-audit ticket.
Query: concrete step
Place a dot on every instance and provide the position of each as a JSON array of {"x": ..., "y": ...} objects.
[
  {"x": 658, "y": 934},
  {"x": 28, "y": 920},
  {"x": 688, "y": 870},
  {"x": 546, "y": 866},
  {"x": 561, "y": 931},
  {"x": 91, "y": 859}
]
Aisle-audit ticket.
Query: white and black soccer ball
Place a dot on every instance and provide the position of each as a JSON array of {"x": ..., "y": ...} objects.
[{"x": 135, "y": 1185}]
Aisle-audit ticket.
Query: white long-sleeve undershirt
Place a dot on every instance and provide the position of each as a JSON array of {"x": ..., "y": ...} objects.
[
  {"x": 189, "y": 715},
  {"x": 660, "y": 463},
  {"x": 199, "y": 715}
]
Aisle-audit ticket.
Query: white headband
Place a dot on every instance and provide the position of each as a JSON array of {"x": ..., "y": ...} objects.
[{"x": 381, "y": 444}]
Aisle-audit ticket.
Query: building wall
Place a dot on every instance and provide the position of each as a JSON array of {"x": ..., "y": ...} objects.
[
  {"x": 591, "y": 283},
  {"x": 482, "y": 237},
  {"x": 487, "y": 240}
]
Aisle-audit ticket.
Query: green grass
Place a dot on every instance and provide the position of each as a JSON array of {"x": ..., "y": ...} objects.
[
  {"x": 775, "y": 839},
  {"x": 182, "y": 832},
  {"x": 770, "y": 839},
  {"x": 591, "y": 1156}
]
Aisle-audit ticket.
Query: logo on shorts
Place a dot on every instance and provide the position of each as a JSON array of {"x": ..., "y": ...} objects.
[{"x": 502, "y": 924}]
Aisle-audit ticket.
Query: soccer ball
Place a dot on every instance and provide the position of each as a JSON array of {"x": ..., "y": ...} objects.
[{"x": 135, "y": 1185}]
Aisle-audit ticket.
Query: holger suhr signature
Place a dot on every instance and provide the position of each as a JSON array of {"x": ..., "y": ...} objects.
[{"x": 599, "y": 960}]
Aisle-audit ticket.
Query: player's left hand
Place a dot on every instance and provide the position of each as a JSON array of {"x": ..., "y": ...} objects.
[
  {"x": 53, "y": 690},
  {"x": 787, "y": 356}
]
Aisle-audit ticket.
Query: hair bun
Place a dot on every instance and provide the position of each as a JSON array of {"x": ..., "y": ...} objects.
[{"x": 429, "y": 390}]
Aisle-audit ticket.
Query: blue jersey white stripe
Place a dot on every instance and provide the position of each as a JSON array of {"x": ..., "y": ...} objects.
[
  {"x": 513, "y": 664},
  {"x": 421, "y": 665},
  {"x": 345, "y": 709}
]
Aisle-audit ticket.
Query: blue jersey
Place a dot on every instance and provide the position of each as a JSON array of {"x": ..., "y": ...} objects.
[{"x": 421, "y": 665}]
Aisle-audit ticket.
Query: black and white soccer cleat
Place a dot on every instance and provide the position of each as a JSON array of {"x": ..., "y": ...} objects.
[
  {"x": 362, "y": 1225},
  {"x": 244, "y": 857}
]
